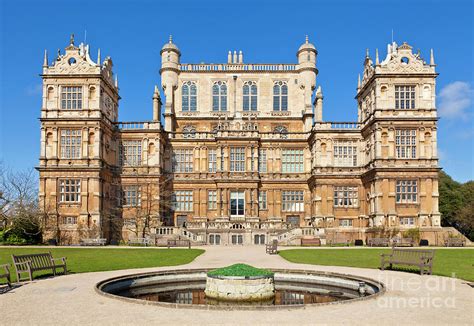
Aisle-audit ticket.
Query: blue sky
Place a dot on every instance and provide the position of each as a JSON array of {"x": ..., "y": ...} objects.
[{"x": 133, "y": 32}]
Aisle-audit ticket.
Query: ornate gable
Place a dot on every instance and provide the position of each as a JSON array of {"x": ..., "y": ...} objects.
[
  {"x": 401, "y": 59},
  {"x": 77, "y": 61}
]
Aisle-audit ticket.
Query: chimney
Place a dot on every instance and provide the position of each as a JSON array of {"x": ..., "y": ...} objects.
[
  {"x": 241, "y": 57},
  {"x": 235, "y": 57}
]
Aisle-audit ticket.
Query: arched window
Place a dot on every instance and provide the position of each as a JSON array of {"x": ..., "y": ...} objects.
[
  {"x": 219, "y": 96},
  {"x": 280, "y": 96},
  {"x": 282, "y": 131},
  {"x": 189, "y": 131},
  {"x": 189, "y": 96},
  {"x": 250, "y": 96}
]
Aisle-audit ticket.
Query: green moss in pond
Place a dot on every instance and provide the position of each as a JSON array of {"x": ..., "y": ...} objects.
[{"x": 240, "y": 270}]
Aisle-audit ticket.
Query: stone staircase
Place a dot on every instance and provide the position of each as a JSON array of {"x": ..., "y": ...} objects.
[{"x": 163, "y": 234}]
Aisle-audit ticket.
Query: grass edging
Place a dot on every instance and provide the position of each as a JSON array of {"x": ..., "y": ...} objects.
[{"x": 447, "y": 262}]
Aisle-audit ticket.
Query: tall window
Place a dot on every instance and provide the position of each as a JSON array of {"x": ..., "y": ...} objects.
[
  {"x": 237, "y": 159},
  {"x": 71, "y": 97},
  {"x": 131, "y": 196},
  {"x": 131, "y": 153},
  {"x": 212, "y": 160},
  {"x": 345, "y": 153},
  {"x": 262, "y": 199},
  {"x": 69, "y": 190},
  {"x": 292, "y": 161},
  {"x": 189, "y": 96},
  {"x": 407, "y": 191},
  {"x": 183, "y": 200},
  {"x": 280, "y": 96},
  {"x": 219, "y": 96},
  {"x": 345, "y": 196},
  {"x": 250, "y": 96},
  {"x": 71, "y": 143},
  {"x": 182, "y": 160},
  {"x": 405, "y": 143},
  {"x": 404, "y": 97},
  {"x": 292, "y": 201},
  {"x": 212, "y": 199},
  {"x": 262, "y": 160}
]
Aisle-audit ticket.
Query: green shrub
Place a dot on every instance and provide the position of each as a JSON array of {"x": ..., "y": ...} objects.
[{"x": 240, "y": 270}]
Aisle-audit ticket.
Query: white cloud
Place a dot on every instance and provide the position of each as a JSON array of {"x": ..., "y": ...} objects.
[{"x": 455, "y": 100}]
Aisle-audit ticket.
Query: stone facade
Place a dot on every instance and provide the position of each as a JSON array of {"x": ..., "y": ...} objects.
[{"x": 243, "y": 154}]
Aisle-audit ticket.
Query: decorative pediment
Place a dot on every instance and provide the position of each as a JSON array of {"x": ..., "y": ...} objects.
[
  {"x": 401, "y": 59},
  {"x": 77, "y": 61}
]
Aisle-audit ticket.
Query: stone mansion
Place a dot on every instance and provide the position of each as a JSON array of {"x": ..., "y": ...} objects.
[{"x": 238, "y": 153}]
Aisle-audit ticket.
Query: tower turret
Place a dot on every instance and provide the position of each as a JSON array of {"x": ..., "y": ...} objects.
[
  {"x": 307, "y": 78},
  {"x": 170, "y": 56}
]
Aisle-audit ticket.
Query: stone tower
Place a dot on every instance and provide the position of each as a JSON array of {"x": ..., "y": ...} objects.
[
  {"x": 80, "y": 104},
  {"x": 396, "y": 106}
]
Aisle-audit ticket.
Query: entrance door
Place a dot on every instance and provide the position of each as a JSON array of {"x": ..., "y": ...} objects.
[
  {"x": 237, "y": 239},
  {"x": 215, "y": 239},
  {"x": 293, "y": 220},
  {"x": 237, "y": 203},
  {"x": 181, "y": 220}
]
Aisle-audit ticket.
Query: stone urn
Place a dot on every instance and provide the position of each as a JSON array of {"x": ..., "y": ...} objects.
[{"x": 240, "y": 288}]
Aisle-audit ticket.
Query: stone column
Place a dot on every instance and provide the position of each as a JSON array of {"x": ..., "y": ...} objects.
[
  {"x": 219, "y": 202},
  {"x": 55, "y": 144},
  {"x": 43, "y": 143},
  {"x": 97, "y": 149}
]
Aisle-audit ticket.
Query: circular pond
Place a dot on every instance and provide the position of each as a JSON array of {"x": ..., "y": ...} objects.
[{"x": 186, "y": 289}]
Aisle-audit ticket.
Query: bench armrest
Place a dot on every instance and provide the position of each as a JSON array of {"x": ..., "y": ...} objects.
[
  {"x": 26, "y": 263},
  {"x": 62, "y": 259}
]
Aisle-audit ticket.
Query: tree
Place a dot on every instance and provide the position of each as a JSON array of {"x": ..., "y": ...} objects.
[
  {"x": 456, "y": 204},
  {"x": 20, "y": 215}
]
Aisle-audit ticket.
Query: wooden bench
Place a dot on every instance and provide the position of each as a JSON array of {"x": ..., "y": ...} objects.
[
  {"x": 93, "y": 242},
  {"x": 139, "y": 241},
  {"x": 403, "y": 242},
  {"x": 310, "y": 242},
  {"x": 454, "y": 242},
  {"x": 272, "y": 248},
  {"x": 5, "y": 273},
  {"x": 378, "y": 242},
  {"x": 37, "y": 262},
  {"x": 179, "y": 243},
  {"x": 409, "y": 257},
  {"x": 339, "y": 243}
]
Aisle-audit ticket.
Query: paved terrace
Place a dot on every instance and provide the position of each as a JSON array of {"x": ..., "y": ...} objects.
[{"x": 72, "y": 300}]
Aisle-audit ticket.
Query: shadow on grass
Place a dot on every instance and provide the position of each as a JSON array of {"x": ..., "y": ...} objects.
[{"x": 403, "y": 269}]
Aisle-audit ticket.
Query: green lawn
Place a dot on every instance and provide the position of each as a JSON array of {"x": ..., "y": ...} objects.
[
  {"x": 81, "y": 260},
  {"x": 446, "y": 261}
]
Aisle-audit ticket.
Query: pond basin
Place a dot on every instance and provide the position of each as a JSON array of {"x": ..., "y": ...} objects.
[{"x": 186, "y": 289}]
